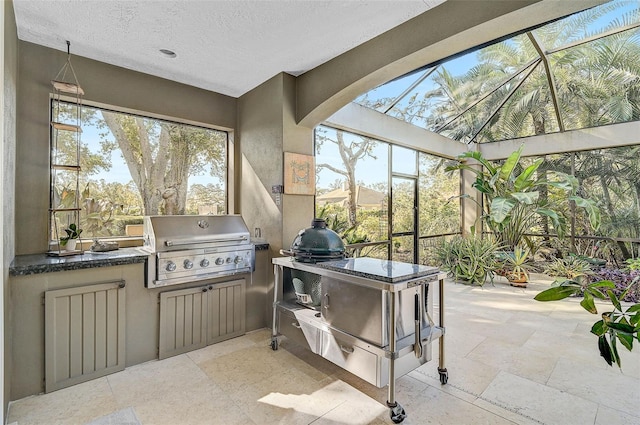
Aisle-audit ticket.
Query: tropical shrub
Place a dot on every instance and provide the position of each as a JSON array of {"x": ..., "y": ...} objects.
[
  {"x": 469, "y": 259},
  {"x": 571, "y": 267},
  {"x": 513, "y": 194},
  {"x": 633, "y": 263}
]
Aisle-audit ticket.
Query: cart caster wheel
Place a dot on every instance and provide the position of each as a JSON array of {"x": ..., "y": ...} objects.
[
  {"x": 274, "y": 344},
  {"x": 397, "y": 413},
  {"x": 444, "y": 376}
]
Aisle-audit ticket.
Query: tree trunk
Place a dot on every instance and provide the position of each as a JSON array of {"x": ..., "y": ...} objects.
[
  {"x": 353, "y": 206},
  {"x": 177, "y": 177},
  {"x": 142, "y": 167}
]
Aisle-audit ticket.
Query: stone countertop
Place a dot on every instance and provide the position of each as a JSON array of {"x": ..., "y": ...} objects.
[
  {"x": 23, "y": 265},
  {"x": 380, "y": 270}
]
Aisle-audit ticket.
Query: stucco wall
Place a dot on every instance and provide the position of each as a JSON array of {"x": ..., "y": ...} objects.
[
  {"x": 7, "y": 169},
  {"x": 266, "y": 129},
  {"x": 102, "y": 83},
  {"x": 298, "y": 209},
  {"x": 260, "y": 139}
]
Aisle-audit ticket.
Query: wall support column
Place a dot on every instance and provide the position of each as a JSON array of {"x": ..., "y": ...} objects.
[{"x": 472, "y": 204}]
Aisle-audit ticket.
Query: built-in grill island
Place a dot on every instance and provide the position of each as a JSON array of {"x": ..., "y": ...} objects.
[
  {"x": 201, "y": 266},
  {"x": 189, "y": 248},
  {"x": 362, "y": 300}
]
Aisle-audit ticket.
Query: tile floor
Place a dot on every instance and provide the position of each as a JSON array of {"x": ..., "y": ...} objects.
[{"x": 511, "y": 360}]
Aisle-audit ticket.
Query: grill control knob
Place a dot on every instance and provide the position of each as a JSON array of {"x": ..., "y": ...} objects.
[
  {"x": 229, "y": 260},
  {"x": 171, "y": 266},
  {"x": 204, "y": 263},
  {"x": 188, "y": 264},
  {"x": 219, "y": 261},
  {"x": 237, "y": 260}
]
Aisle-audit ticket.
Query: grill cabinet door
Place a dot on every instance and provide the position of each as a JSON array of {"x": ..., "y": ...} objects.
[
  {"x": 226, "y": 310},
  {"x": 84, "y": 333},
  {"x": 183, "y": 321},
  {"x": 196, "y": 317}
]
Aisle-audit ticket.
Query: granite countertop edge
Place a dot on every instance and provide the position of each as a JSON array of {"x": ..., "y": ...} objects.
[
  {"x": 23, "y": 265},
  {"x": 331, "y": 265},
  {"x": 380, "y": 278}
]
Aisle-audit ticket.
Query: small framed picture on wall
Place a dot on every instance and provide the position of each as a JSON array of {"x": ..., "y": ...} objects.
[{"x": 299, "y": 174}]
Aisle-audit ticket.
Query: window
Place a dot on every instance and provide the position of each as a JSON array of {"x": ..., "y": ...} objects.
[
  {"x": 352, "y": 184},
  {"x": 132, "y": 165},
  {"x": 360, "y": 181}
]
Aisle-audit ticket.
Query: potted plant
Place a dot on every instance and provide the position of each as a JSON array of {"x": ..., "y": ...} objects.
[
  {"x": 69, "y": 241},
  {"x": 515, "y": 268}
]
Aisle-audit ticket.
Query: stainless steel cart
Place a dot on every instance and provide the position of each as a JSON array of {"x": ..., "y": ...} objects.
[{"x": 362, "y": 300}]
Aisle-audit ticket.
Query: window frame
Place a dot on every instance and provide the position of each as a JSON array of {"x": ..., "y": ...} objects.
[{"x": 229, "y": 181}]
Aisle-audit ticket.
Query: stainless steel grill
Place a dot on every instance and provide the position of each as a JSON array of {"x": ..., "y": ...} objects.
[{"x": 189, "y": 248}]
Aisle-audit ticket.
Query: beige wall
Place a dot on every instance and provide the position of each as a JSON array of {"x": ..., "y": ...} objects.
[
  {"x": 299, "y": 210},
  {"x": 104, "y": 84},
  {"x": 266, "y": 129},
  {"x": 9, "y": 71},
  {"x": 260, "y": 138},
  {"x": 471, "y": 206}
]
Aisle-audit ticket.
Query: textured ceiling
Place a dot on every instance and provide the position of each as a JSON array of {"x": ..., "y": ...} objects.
[{"x": 228, "y": 47}]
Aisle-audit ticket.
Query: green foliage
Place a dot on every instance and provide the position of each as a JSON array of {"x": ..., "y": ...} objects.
[
  {"x": 73, "y": 232},
  {"x": 339, "y": 224},
  {"x": 471, "y": 259},
  {"x": 438, "y": 197},
  {"x": 512, "y": 191},
  {"x": 571, "y": 267},
  {"x": 618, "y": 325},
  {"x": 209, "y": 197},
  {"x": 596, "y": 83},
  {"x": 515, "y": 262},
  {"x": 352, "y": 149},
  {"x": 633, "y": 263}
]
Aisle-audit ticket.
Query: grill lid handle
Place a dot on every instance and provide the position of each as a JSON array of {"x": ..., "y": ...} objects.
[{"x": 192, "y": 241}]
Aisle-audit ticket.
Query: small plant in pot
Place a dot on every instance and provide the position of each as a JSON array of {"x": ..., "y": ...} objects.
[
  {"x": 515, "y": 266},
  {"x": 69, "y": 241}
]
